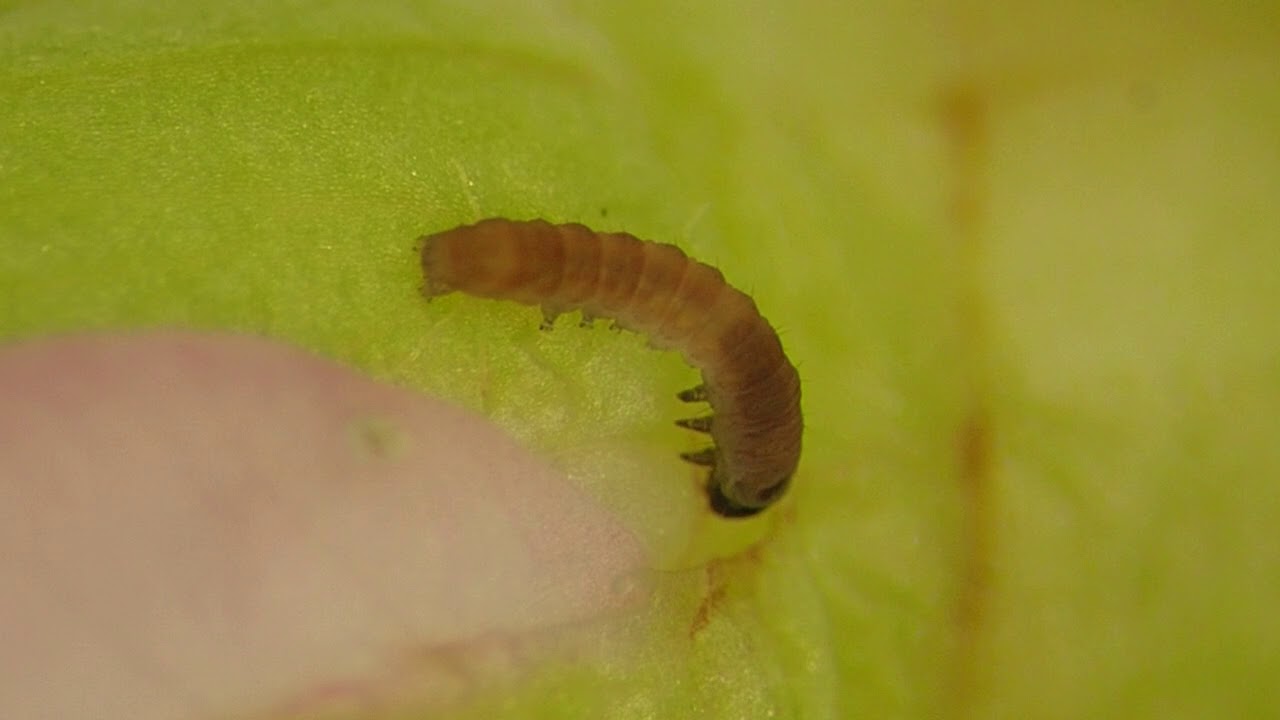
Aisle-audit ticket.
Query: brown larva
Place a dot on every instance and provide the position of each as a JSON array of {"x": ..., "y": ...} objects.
[{"x": 655, "y": 289}]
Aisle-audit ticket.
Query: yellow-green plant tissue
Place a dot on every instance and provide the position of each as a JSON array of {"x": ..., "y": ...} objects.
[{"x": 1023, "y": 257}]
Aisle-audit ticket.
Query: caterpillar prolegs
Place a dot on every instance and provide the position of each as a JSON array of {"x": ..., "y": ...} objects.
[{"x": 680, "y": 303}]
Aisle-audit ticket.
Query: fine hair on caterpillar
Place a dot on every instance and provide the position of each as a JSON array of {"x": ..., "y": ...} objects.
[{"x": 679, "y": 303}]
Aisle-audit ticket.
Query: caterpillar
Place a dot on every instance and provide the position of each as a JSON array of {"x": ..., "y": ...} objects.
[{"x": 679, "y": 303}]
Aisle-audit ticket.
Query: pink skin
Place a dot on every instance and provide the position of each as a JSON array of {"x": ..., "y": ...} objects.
[{"x": 198, "y": 525}]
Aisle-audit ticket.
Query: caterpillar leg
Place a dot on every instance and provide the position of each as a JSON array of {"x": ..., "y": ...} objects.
[
  {"x": 548, "y": 319},
  {"x": 697, "y": 424},
  {"x": 705, "y": 457},
  {"x": 695, "y": 394}
]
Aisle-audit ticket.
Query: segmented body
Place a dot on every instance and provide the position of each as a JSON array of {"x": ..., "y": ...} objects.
[{"x": 680, "y": 303}]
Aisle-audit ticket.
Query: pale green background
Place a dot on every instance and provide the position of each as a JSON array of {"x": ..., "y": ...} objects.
[{"x": 1107, "y": 312}]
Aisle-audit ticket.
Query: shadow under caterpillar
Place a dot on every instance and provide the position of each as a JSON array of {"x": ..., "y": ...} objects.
[{"x": 680, "y": 303}]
